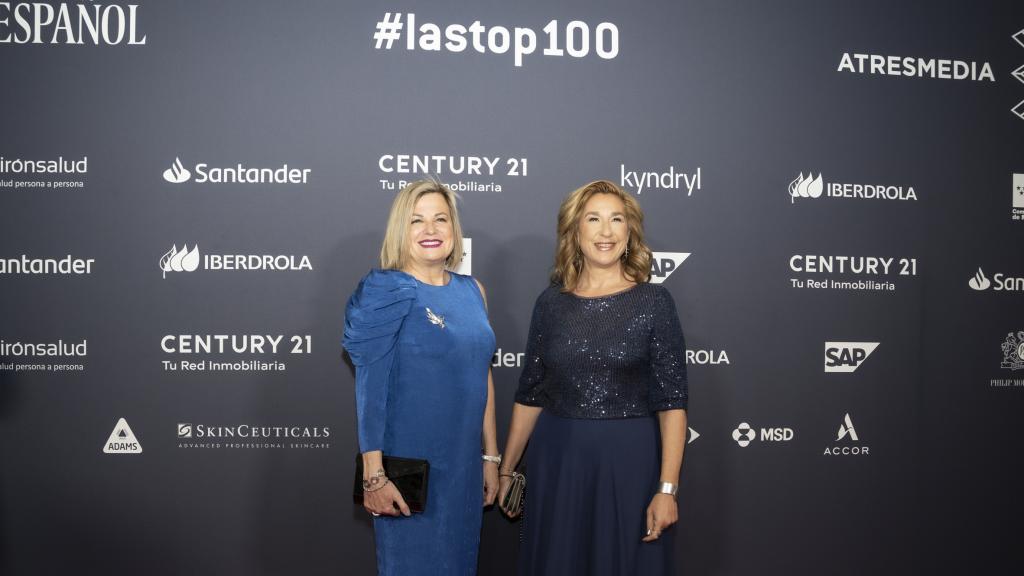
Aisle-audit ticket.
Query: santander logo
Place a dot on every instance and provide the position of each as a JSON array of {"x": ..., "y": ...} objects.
[
  {"x": 979, "y": 281},
  {"x": 177, "y": 173}
]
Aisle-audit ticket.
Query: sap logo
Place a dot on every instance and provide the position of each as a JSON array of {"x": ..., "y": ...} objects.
[
  {"x": 663, "y": 264},
  {"x": 847, "y": 356}
]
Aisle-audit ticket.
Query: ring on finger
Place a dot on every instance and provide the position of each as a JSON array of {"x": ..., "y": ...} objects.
[{"x": 374, "y": 513}]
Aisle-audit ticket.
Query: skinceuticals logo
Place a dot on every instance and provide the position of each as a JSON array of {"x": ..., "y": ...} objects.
[
  {"x": 979, "y": 281},
  {"x": 184, "y": 260},
  {"x": 177, "y": 173},
  {"x": 663, "y": 264}
]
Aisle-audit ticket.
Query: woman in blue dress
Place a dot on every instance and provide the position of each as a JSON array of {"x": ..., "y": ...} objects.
[
  {"x": 602, "y": 400},
  {"x": 421, "y": 343}
]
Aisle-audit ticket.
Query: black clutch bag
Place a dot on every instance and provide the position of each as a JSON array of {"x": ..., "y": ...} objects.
[{"x": 409, "y": 475}]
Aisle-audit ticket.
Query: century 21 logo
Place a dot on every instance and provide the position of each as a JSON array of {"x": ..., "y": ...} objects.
[{"x": 847, "y": 356}]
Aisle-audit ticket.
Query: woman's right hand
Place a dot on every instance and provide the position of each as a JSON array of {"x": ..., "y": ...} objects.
[
  {"x": 386, "y": 501},
  {"x": 504, "y": 482}
]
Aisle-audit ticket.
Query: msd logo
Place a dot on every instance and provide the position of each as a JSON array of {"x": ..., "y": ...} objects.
[
  {"x": 847, "y": 356},
  {"x": 663, "y": 264}
]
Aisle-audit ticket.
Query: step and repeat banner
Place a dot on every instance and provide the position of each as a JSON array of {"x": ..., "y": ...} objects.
[{"x": 189, "y": 191}]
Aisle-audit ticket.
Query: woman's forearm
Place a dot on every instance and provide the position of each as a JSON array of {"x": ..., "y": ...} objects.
[
  {"x": 673, "y": 442},
  {"x": 490, "y": 428},
  {"x": 519, "y": 430}
]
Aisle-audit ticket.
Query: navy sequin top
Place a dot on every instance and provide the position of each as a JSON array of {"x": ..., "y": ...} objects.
[{"x": 615, "y": 356}]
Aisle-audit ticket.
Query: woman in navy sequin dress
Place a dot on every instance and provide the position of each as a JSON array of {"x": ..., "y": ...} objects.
[
  {"x": 602, "y": 401},
  {"x": 419, "y": 337}
]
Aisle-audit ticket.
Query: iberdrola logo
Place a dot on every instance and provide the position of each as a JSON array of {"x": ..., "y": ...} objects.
[{"x": 182, "y": 260}]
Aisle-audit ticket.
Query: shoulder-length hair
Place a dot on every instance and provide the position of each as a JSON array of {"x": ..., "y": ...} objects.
[
  {"x": 636, "y": 263},
  {"x": 394, "y": 253}
]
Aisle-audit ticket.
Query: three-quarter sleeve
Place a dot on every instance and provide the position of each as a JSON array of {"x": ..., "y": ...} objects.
[
  {"x": 668, "y": 389},
  {"x": 530, "y": 391},
  {"x": 373, "y": 319}
]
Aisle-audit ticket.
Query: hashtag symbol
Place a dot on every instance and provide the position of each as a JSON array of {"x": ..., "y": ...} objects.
[{"x": 388, "y": 30}]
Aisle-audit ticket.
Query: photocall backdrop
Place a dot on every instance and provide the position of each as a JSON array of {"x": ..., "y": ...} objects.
[{"x": 190, "y": 192}]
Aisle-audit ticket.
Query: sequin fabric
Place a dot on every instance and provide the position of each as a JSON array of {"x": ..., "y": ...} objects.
[{"x": 616, "y": 356}]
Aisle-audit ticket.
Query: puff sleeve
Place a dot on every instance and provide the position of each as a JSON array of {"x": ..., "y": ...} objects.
[{"x": 373, "y": 318}]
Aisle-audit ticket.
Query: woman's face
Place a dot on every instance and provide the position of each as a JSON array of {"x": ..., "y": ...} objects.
[
  {"x": 603, "y": 232},
  {"x": 430, "y": 231}
]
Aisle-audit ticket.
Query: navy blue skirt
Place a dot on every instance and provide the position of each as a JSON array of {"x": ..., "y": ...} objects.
[{"x": 588, "y": 486}]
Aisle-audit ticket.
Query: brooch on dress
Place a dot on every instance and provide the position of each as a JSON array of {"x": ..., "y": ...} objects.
[{"x": 435, "y": 319}]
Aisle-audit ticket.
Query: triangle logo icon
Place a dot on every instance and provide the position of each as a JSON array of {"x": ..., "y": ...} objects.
[{"x": 122, "y": 440}]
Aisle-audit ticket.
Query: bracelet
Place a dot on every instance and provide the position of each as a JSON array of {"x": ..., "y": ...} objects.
[
  {"x": 495, "y": 459},
  {"x": 668, "y": 488},
  {"x": 373, "y": 480},
  {"x": 506, "y": 476},
  {"x": 385, "y": 483}
]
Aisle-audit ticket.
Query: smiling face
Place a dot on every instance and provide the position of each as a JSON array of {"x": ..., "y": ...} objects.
[
  {"x": 603, "y": 231},
  {"x": 430, "y": 231}
]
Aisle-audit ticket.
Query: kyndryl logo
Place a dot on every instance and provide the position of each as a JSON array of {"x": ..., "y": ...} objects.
[
  {"x": 743, "y": 435},
  {"x": 812, "y": 186},
  {"x": 180, "y": 261},
  {"x": 849, "y": 433},
  {"x": 177, "y": 173},
  {"x": 663, "y": 264},
  {"x": 122, "y": 440},
  {"x": 1013, "y": 351},
  {"x": 847, "y": 356}
]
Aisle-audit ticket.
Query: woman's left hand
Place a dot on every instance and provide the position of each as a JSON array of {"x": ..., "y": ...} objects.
[
  {"x": 661, "y": 513},
  {"x": 490, "y": 482}
]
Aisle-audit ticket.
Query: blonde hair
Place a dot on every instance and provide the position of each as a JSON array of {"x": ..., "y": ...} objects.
[
  {"x": 636, "y": 264},
  {"x": 394, "y": 252}
]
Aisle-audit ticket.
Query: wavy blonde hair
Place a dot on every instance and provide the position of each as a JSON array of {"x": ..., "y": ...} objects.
[
  {"x": 394, "y": 253},
  {"x": 636, "y": 263}
]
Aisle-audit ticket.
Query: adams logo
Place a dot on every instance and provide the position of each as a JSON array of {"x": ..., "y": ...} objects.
[{"x": 122, "y": 440}]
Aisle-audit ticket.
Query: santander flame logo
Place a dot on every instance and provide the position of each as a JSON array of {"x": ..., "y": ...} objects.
[
  {"x": 809, "y": 187},
  {"x": 180, "y": 261},
  {"x": 979, "y": 281},
  {"x": 177, "y": 173}
]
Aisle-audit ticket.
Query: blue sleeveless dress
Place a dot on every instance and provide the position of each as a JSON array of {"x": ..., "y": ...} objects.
[{"x": 421, "y": 354}]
